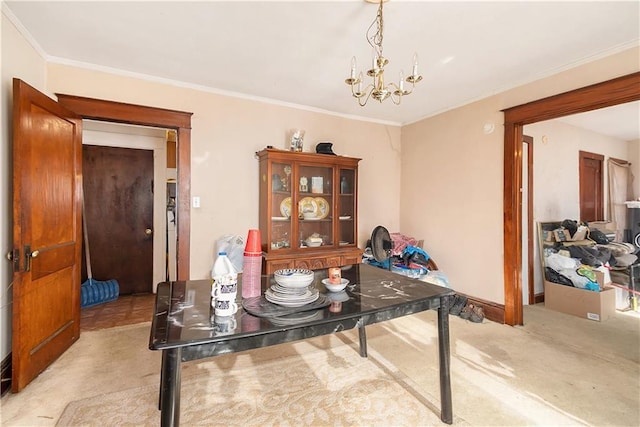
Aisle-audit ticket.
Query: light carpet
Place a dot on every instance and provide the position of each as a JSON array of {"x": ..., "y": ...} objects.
[
  {"x": 555, "y": 370},
  {"x": 325, "y": 387}
]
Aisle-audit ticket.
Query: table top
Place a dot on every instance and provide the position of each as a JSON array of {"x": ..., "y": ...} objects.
[{"x": 183, "y": 316}]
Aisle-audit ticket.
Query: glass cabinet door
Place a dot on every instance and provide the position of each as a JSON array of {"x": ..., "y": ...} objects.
[
  {"x": 281, "y": 206},
  {"x": 315, "y": 206},
  {"x": 347, "y": 206}
]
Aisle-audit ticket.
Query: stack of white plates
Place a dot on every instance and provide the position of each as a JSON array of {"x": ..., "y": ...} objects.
[{"x": 292, "y": 288}]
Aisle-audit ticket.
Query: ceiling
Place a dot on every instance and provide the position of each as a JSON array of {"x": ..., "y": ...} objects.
[{"x": 299, "y": 52}]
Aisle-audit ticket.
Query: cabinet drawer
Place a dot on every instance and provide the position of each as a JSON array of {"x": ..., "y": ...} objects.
[
  {"x": 318, "y": 263},
  {"x": 351, "y": 259},
  {"x": 310, "y": 263},
  {"x": 272, "y": 266}
]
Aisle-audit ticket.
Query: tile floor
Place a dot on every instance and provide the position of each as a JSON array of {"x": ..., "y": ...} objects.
[{"x": 126, "y": 310}]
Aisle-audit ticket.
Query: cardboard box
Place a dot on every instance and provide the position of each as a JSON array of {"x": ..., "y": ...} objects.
[
  {"x": 547, "y": 236},
  {"x": 598, "y": 306},
  {"x": 562, "y": 235},
  {"x": 604, "y": 226}
]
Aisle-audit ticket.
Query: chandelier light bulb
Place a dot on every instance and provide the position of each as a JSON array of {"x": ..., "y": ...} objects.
[
  {"x": 353, "y": 68},
  {"x": 415, "y": 64}
]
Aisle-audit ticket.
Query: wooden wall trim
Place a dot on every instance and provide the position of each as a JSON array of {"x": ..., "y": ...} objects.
[
  {"x": 492, "y": 311},
  {"x": 121, "y": 112},
  {"x": 512, "y": 238},
  {"x": 612, "y": 92},
  {"x": 110, "y": 111}
]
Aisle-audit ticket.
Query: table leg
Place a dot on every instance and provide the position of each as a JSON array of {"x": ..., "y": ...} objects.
[
  {"x": 161, "y": 380},
  {"x": 362, "y": 334},
  {"x": 170, "y": 387},
  {"x": 444, "y": 353}
]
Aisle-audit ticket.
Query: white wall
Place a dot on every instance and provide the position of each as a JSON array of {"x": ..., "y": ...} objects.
[
  {"x": 556, "y": 164},
  {"x": 452, "y": 177},
  {"x": 556, "y": 178},
  {"x": 634, "y": 158},
  {"x": 18, "y": 59}
]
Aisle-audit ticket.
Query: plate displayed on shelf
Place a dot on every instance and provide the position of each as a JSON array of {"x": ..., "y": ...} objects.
[
  {"x": 279, "y": 218},
  {"x": 285, "y": 207},
  {"x": 323, "y": 207},
  {"x": 345, "y": 217},
  {"x": 308, "y": 207}
]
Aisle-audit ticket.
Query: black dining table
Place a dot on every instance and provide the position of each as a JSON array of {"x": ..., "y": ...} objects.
[{"x": 184, "y": 327}]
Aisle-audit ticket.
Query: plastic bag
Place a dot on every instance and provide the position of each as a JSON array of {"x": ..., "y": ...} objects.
[
  {"x": 234, "y": 247},
  {"x": 559, "y": 262}
]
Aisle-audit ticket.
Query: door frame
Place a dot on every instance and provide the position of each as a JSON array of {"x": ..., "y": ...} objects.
[
  {"x": 606, "y": 94},
  {"x": 180, "y": 121},
  {"x": 530, "y": 236}
]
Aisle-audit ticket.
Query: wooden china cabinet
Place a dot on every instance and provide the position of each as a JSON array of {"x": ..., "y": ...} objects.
[{"x": 308, "y": 210}]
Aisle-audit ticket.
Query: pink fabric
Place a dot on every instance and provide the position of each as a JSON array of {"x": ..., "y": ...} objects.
[{"x": 400, "y": 241}]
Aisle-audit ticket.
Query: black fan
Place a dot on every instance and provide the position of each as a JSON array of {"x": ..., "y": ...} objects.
[{"x": 381, "y": 244}]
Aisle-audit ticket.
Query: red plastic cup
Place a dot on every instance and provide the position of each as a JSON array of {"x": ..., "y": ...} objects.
[
  {"x": 253, "y": 244},
  {"x": 251, "y": 276}
]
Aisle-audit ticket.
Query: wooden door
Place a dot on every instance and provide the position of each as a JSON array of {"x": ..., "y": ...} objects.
[
  {"x": 118, "y": 186},
  {"x": 591, "y": 187},
  {"x": 47, "y": 179}
]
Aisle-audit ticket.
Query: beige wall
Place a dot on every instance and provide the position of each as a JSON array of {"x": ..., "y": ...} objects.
[
  {"x": 18, "y": 59},
  {"x": 452, "y": 177},
  {"x": 226, "y": 132}
]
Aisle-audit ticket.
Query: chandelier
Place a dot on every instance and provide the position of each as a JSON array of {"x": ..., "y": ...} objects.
[{"x": 377, "y": 88}]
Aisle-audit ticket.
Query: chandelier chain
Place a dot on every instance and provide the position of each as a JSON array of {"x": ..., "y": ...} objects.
[{"x": 375, "y": 39}]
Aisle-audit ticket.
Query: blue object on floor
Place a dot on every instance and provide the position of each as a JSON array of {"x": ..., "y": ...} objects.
[{"x": 93, "y": 292}]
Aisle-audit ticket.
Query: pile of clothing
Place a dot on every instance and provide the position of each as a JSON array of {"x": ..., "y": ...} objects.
[
  {"x": 409, "y": 259},
  {"x": 575, "y": 263}
]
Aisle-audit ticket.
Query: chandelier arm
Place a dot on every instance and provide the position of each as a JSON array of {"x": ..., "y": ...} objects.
[
  {"x": 363, "y": 103},
  {"x": 369, "y": 88}
]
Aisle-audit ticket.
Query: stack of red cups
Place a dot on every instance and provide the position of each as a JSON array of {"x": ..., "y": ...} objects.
[{"x": 252, "y": 266}]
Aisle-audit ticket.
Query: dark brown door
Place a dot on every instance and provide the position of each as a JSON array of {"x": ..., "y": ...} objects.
[
  {"x": 118, "y": 186},
  {"x": 591, "y": 187},
  {"x": 47, "y": 179}
]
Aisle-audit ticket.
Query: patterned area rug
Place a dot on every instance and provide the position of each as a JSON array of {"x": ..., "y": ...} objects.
[{"x": 335, "y": 387}]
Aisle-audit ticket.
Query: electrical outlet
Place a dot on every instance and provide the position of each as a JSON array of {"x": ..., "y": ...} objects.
[{"x": 196, "y": 201}]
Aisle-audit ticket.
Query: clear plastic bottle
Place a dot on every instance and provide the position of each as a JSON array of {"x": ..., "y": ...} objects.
[{"x": 224, "y": 273}]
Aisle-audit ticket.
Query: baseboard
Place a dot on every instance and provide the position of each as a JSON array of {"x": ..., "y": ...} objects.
[
  {"x": 538, "y": 298},
  {"x": 492, "y": 310},
  {"x": 5, "y": 377}
]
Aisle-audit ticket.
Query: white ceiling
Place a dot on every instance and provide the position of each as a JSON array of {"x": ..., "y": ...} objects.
[{"x": 299, "y": 52}]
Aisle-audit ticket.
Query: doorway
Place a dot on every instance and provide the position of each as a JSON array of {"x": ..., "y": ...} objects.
[
  {"x": 117, "y": 112},
  {"x": 591, "y": 186},
  {"x": 122, "y": 142},
  {"x": 612, "y": 92},
  {"x": 528, "y": 236}
]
